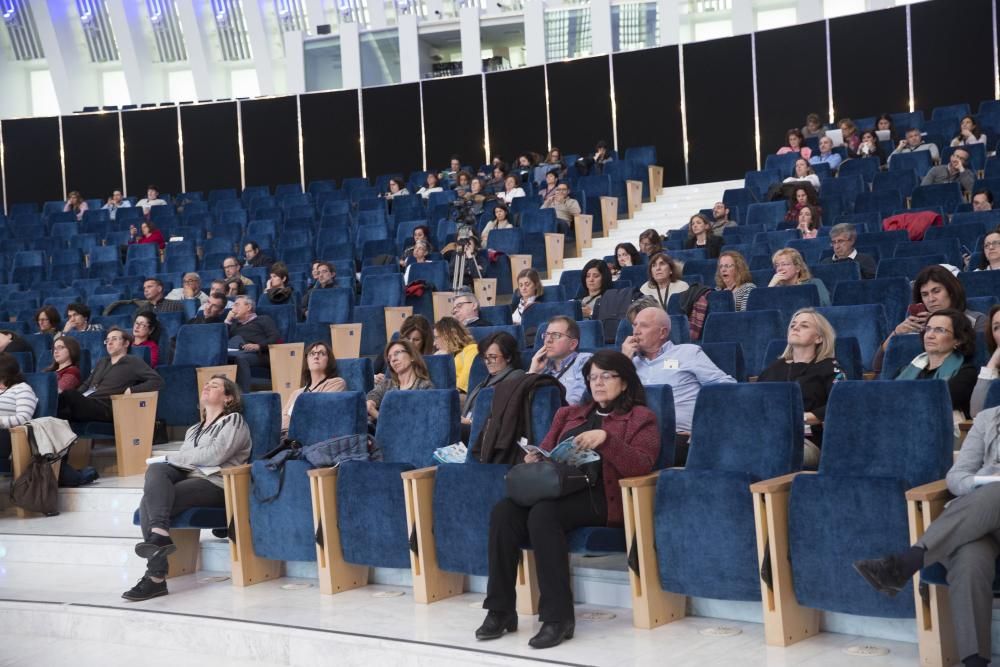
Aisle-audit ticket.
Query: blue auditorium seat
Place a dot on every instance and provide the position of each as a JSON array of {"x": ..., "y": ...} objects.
[{"x": 752, "y": 329}]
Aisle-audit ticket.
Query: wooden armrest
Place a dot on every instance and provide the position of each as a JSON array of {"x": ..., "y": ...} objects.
[
  {"x": 636, "y": 482},
  {"x": 236, "y": 471},
  {"x": 323, "y": 472},
  {"x": 936, "y": 490},
  {"x": 965, "y": 426},
  {"x": 421, "y": 473},
  {"x": 141, "y": 396},
  {"x": 776, "y": 484}
]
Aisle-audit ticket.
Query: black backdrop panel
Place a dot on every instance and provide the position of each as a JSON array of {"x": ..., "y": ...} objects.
[
  {"x": 784, "y": 106},
  {"x": 211, "y": 147},
  {"x": 868, "y": 63},
  {"x": 152, "y": 156},
  {"x": 270, "y": 141},
  {"x": 952, "y": 53},
  {"x": 453, "y": 121},
  {"x": 651, "y": 114},
  {"x": 718, "y": 80},
  {"x": 93, "y": 154},
  {"x": 515, "y": 103},
  {"x": 580, "y": 104},
  {"x": 331, "y": 135},
  {"x": 392, "y": 129},
  {"x": 31, "y": 160}
]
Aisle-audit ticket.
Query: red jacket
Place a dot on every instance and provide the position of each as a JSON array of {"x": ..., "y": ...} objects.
[
  {"x": 155, "y": 236},
  {"x": 630, "y": 450}
]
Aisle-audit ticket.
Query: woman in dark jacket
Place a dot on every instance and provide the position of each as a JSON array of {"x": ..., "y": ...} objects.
[
  {"x": 700, "y": 236},
  {"x": 619, "y": 427},
  {"x": 503, "y": 361},
  {"x": 808, "y": 360}
]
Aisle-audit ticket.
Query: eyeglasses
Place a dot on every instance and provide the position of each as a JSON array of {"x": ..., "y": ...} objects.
[
  {"x": 991, "y": 244},
  {"x": 230, "y": 266},
  {"x": 602, "y": 377},
  {"x": 556, "y": 335},
  {"x": 141, "y": 325},
  {"x": 940, "y": 331},
  {"x": 492, "y": 358},
  {"x": 317, "y": 353},
  {"x": 190, "y": 280},
  {"x": 459, "y": 304}
]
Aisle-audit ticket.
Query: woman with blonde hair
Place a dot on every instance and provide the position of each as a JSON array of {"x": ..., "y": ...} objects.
[
  {"x": 451, "y": 337},
  {"x": 407, "y": 371},
  {"x": 790, "y": 269},
  {"x": 733, "y": 274},
  {"x": 809, "y": 360},
  {"x": 529, "y": 289}
]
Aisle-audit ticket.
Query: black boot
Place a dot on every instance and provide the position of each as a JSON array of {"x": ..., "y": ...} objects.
[
  {"x": 496, "y": 623},
  {"x": 146, "y": 589},
  {"x": 157, "y": 546},
  {"x": 553, "y": 634},
  {"x": 886, "y": 575}
]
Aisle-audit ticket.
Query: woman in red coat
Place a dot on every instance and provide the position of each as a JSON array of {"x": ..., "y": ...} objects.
[
  {"x": 149, "y": 234},
  {"x": 618, "y": 426}
]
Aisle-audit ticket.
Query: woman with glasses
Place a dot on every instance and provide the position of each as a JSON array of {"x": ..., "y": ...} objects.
[
  {"x": 790, "y": 269},
  {"x": 66, "y": 363},
  {"x": 618, "y": 426},
  {"x": 145, "y": 332},
  {"x": 991, "y": 252},
  {"x": 991, "y": 371},
  {"x": 949, "y": 346},
  {"x": 319, "y": 374},
  {"x": 733, "y": 274},
  {"x": 503, "y": 361},
  {"x": 48, "y": 321}
]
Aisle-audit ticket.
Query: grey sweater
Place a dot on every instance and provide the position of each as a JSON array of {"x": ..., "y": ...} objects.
[
  {"x": 979, "y": 454},
  {"x": 223, "y": 443}
]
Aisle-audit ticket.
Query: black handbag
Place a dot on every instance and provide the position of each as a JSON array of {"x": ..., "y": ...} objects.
[{"x": 530, "y": 483}]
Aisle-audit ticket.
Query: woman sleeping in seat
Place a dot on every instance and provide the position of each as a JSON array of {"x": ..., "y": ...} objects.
[{"x": 790, "y": 269}]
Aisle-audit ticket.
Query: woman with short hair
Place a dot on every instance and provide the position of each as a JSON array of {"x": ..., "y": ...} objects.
[
  {"x": 48, "y": 321},
  {"x": 790, "y": 269},
  {"x": 145, "y": 333},
  {"x": 147, "y": 233}
]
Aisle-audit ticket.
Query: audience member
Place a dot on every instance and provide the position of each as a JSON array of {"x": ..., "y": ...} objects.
[
  {"x": 407, "y": 370},
  {"x": 78, "y": 319},
  {"x": 650, "y": 242},
  {"x": 827, "y": 155},
  {"x": 12, "y": 342},
  {"x": 397, "y": 188},
  {"x": 969, "y": 133},
  {"x": 809, "y": 360},
  {"x": 915, "y": 142},
  {"x": 956, "y": 171},
  {"x": 48, "y": 321},
  {"x": 255, "y": 257},
  {"x": 116, "y": 201},
  {"x": 885, "y": 123},
  {"x": 232, "y": 271},
  {"x": 450, "y": 337},
  {"x": 813, "y": 127},
  {"x": 720, "y": 218},
  {"x": 990, "y": 251},
  {"x": 625, "y": 255},
  {"x": 700, "y": 236},
  {"x": 595, "y": 281},
  {"x": 66, "y": 363},
  {"x": 145, "y": 332},
  {"x": 686, "y": 368},
  {"x": 470, "y": 247},
  {"x": 319, "y": 375},
  {"x": 463, "y": 183},
  {"x": 501, "y": 220},
  {"x": 554, "y": 159},
  {"x": 213, "y": 310},
  {"x": 495, "y": 179},
  {"x": 478, "y": 195},
  {"x": 733, "y": 274},
  {"x": 991, "y": 371},
  {"x": 500, "y": 354},
  {"x": 982, "y": 200},
  {"x": 804, "y": 172},
  {"x": 529, "y": 290},
  {"x": 432, "y": 185},
  {"x": 152, "y": 291},
  {"x": 278, "y": 288},
  {"x": 551, "y": 183},
  {"x": 117, "y": 373},
  {"x": 151, "y": 199},
  {"x": 619, "y": 427},
  {"x": 465, "y": 309},
  {"x": 221, "y": 439},
  {"x": 234, "y": 287},
  {"x": 17, "y": 401},
  {"x": 191, "y": 289},
  {"x": 512, "y": 189},
  {"x": 595, "y": 162},
  {"x": 849, "y": 131},
  {"x": 843, "y": 236},
  {"x": 249, "y": 336},
  {"x": 870, "y": 147},
  {"x": 809, "y": 221},
  {"x": 949, "y": 346},
  {"x": 791, "y": 269},
  {"x": 326, "y": 278},
  {"x": 76, "y": 204},
  {"x": 421, "y": 233},
  {"x": 146, "y": 233},
  {"x": 421, "y": 255},
  {"x": 566, "y": 207},
  {"x": 795, "y": 143},
  {"x": 664, "y": 279},
  {"x": 558, "y": 356}
]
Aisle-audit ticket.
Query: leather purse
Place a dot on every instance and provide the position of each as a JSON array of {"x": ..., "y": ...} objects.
[{"x": 530, "y": 483}]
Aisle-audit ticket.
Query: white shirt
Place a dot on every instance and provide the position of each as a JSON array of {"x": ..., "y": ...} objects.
[{"x": 508, "y": 197}]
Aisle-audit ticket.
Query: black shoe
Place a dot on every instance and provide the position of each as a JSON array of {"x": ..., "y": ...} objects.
[
  {"x": 158, "y": 545},
  {"x": 496, "y": 623},
  {"x": 146, "y": 589},
  {"x": 883, "y": 574},
  {"x": 552, "y": 634}
]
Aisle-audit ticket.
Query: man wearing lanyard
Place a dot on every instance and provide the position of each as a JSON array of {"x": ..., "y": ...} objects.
[
  {"x": 117, "y": 373},
  {"x": 558, "y": 357},
  {"x": 686, "y": 368}
]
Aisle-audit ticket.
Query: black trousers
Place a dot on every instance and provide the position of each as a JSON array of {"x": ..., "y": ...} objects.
[
  {"x": 168, "y": 491},
  {"x": 544, "y": 527},
  {"x": 75, "y": 407}
]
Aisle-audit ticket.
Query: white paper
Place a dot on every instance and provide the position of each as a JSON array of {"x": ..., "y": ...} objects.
[{"x": 979, "y": 480}]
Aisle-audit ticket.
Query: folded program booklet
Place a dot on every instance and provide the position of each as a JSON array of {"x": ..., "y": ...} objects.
[
  {"x": 564, "y": 452},
  {"x": 204, "y": 470}
]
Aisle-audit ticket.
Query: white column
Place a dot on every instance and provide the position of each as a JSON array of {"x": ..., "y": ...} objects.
[
  {"x": 434, "y": 9},
  {"x": 295, "y": 63},
  {"x": 743, "y": 23},
  {"x": 144, "y": 82},
  {"x": 376, "y": 15},
  {"x": 13, "y": 76},
  {"x": 472, "y": 52},
  {"x": 409, "y": 48},
  {"x": 208, "y": 80},
  {"x": 350, "y": 55},
  {"x": 809, "y": 10},
  {"x": 73, "y": 76},
  {"x": 600, "y": 26},
  {"x": 260, "y": 47},
  {"x": 315, "y": 14},
  {"x": 669, "y": 14},
  {"x": 534, "y": 32}
]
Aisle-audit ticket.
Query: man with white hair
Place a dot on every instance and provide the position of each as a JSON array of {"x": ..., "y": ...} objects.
[
  {"x": 686, "y": 368},
  {"x": 249, "y": 336},
  {"x": 843, "y": 236},
  {"x": 190, "y": 290}
]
